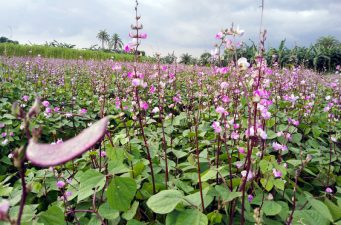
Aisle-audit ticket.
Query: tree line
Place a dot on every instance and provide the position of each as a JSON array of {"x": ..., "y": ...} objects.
[{"x": 323, "y": 56}]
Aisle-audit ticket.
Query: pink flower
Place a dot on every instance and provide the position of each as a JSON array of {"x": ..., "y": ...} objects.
[
  {"x": 152, "y": 89},
  {"x": 127, "y": 48},
  {"x": 249, "y": 175},
  {"x": 103, "y": 154},
  {"x": 136, "y": 82},
  {"x": 144, "y": 105},
  {"x": 46, "y": 103},
  {"x": 225, "y": 99},
  {"x": 48, "y": 110},
  {"x": 25, "y": 98},
  {"x": 60, "y": 184},
  {"x": 234, "y": 135},
  {"x": 143, "y": 35},
  {"x": 276, "y": 173},
  {"x": 224, "y": 85},
  {"x": 276, "y": 146},
  {"x": 155, "y": 110},
  {"x": 4, "y": 134},
  {"x": 83, "y": 111},
  {"x": 220, "y": 110},
  {"x": 250, "y": 198},
  {"x": 219, "y": 35},
  {"x": 56, "y": 109},
  {"x": 241, "y": 150},
  {"x": 4, "y": 206},
  {"x": 329, "y": 190},
  {"x": 216, "y": 126}
]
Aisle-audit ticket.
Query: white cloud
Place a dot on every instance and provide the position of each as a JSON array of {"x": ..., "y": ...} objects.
[{"x": 182, "y": 26}]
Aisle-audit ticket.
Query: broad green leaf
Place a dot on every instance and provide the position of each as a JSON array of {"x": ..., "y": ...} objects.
[
  {"x": 121, "y": 192},
  {"x": 53, "y": 216},
  {"x": 28, "y": 213},
  {"x": 271, "y": 208},
  {"x": 90, "y": 180},
  {"x": 186, "y": 217},
  {"x": 135, "y": 222},
  {"x": 296, "y": 138},
  {"x": 226, "y": 194},
  {"x": 267, "y": 183},
  {"x": 195, "y": 198},
  {"x": 309, "y": 217},
  {"x": 128, "y": 215},
  {"x": 321, "y": 208},
  {"x": 279, "y": 183},
  {"x": 265, "y": 166},
  {"x": 165, "y": 201},
  {"x": 107, "y": 212},
  {"x": 334, "y": 209},
  {"x": 208, "y": 175}
]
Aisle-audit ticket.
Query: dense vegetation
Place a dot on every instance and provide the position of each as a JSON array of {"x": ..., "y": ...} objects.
[
  {"x": 63, "y": 52},
  {"x": 186, "y": 145}
]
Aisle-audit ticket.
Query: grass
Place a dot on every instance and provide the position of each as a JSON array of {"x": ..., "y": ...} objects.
[{"x": 63, "y": 53}]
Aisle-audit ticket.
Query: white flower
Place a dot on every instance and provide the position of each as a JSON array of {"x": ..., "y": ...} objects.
[
  {"x": 156, "y": 110},
  {"x": 243, "y": 64}
]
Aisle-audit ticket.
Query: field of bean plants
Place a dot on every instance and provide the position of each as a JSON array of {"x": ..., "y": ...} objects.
[{"x": 106, "y": 142}]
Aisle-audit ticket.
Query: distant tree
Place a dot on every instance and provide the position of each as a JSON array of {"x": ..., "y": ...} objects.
[
  {"x": 169, "y": 59},
  {"x": 205, "y": 59},
  {"x": 7, "y": 40},
  {"x": 116, "y": 42},
  {"x": 104, "y": 37},
  {"x": 186, "y": 58},
  {"x": 327, "y": 42}
]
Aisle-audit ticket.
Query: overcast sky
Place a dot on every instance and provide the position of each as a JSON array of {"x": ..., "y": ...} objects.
[{"x": 179, "y": 25}]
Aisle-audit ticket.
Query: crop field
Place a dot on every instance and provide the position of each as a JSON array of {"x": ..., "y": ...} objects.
[
  {"x": 244, "y": 135},
  {"x": 185, "y": 145}
]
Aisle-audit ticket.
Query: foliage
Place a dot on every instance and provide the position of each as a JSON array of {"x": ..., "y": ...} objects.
[{"x": 294, "y": 156}]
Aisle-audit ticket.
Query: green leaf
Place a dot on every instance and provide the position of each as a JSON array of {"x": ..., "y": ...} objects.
[
  {"x": 226, "y": 194},
  {"x": 90, "y": 180},
  {"x": 186, "y": 217},
  {"x": 53, "y": 216},
  {"x": 131, "y": 212},
  {"x": 267, "y": 183},
  {"x": 165, "y": 201},
  {"x": 265, "y": 166},
  {"x": 296, "y": 138},
  {"x": 271, "y": 208},
  {"x": 107, "y": 212},
  {"x": 279, "y": 183},
  {"x": 135, "y": 222},
  {"x": 334, "y": 209},
  {"x": 321, "y": 208},
  {"x": 121, "y": 192},
  {"x": 309, "y": 217},
  {"x": 195, "y": 198}
]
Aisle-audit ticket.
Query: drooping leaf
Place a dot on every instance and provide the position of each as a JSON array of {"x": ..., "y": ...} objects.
[
  {"x": 90, "y": 180},
  {"x": 45, "y": 155},
  {"x": 321, "y": 208},
  {"x": 121, "y": 192},
  {"x": 186, "y": 217},
  {"x": 53, "y": 216},
  {"x": 271, "y": 208},
  {"x": 165, "y": 201},
  {"x": 128, "y": 215},
  {"x": 107, "y": 212}
]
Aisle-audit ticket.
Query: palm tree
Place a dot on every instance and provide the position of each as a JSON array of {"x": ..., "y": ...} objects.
[
  {"x": 103, "y": 36},
  {"x": 185, "y": 58},
  {"x": 116, "y": 41},
  {"x": 327, "y": 42}
]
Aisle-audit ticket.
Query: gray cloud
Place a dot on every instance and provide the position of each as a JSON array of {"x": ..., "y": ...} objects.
[{"x": 182, "y": 26}]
